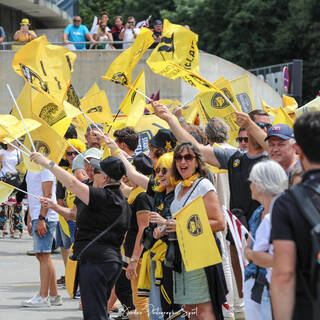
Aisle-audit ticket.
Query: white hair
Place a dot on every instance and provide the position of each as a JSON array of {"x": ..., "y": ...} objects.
[{"x": 269, "y": 177}]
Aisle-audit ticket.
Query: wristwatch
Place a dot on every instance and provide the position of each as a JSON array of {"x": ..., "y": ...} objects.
[
  {"x": 41, "y": 217},
  {"x": 50, "y": 165},
  {"x": 181, "y": 119},
  {"x": 133, "y": 260}
]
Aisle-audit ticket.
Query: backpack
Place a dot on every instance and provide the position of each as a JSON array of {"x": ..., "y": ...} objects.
[{"x": 312, "y": 214}]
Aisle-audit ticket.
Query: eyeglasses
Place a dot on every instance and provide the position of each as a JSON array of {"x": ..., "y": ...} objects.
[
  {"x": 76, "y": 20},
  {"x": 187, "y": 157},
  {"x": 263, "y": 125},
  {"x": 242, "y": 139},
  {"x": 71, "y": 153},
  {"x": 163, "y": 171},
  {"x": 96, "y": 171}
]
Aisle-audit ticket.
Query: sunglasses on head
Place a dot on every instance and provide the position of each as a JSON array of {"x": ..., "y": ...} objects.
[
  {"x": 186, "y": 157},
  {"x": 263, "y": 125},
  {"x": 242, "y": 139},
  {"x": 71, "y": 153},
  {"x": 163, "y": 171}
]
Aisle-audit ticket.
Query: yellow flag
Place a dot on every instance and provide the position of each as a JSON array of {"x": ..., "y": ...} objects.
[
  {"x": 242, "y": 90},
  {"x": 225, "y": 86},
  {"x": 64, "y": 225},
  {"x": 24, "y": 103},
  {"x": 167, "y": 102},
  {"x": 45, "y": 67},
  {"x": 96, "y": 106},
  {"x": 213, "y": 104},
  {"x": 178, "y": 45},
  {"x": 196, "y": 241},
  {"x": 289, "y": 103},
  {"x": 283, "y": 117},
  {"x": 93, "y": 90},
  {"x": 62, "y": 126},
  {"x": 121, "y": 68},
  {"x": 133, "y": 99},
  {"x": 48, "y": 142},
  {"x": 11, "y": 128},
  {"x": 151, "y": 123},
  {"x": 5, "y": 191},
  {"x": 271, "y": 111},
  {"x": 106, "y": 153},
  {"x": 313, "y": 105},
  {"x": 190, "y": 111}
]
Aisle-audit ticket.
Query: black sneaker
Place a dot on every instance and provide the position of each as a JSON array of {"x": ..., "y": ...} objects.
[{"x": 61, "y": 282}]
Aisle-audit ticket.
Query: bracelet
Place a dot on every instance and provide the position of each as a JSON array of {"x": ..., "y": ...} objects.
[
  {"x": 133, "y": 260},
  {"x": 116, "y": 152},
  {"x": 50, "y": 165}
]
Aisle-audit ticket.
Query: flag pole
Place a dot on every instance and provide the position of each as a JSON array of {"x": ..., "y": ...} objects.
[
  {"x": 24, "y": 123},
  {"x": 31, "y": 194},
  {"x": 189, "y": 101},
  {"x": 12, "y": 145},
  {"x": 22, "y": 145},
  {"x": 93, "y": 124},
  {"x": 76, "y": 150},
  {"x": 114, "y": 119}
]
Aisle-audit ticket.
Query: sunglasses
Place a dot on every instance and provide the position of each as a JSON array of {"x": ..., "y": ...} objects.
[
  {"x": 163, "y": 171},
  {"x": 242, "y": 139},
  {"x": 187, "y": 157},
  {"x": 71, "y": 153},
  {"x": 263, "y": 125},
  {"x": 76, "y": 20},
  {"x": 96, "y": 171}
]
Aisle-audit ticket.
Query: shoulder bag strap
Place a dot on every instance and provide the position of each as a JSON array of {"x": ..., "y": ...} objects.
[{"x": 192, "y": 191}]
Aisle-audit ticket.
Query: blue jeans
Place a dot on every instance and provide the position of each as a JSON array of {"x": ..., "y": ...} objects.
[
  {"x": 155, "y": 310},
  {"x": 43, "y": 245},
  {"x": 266, "y": 312}
]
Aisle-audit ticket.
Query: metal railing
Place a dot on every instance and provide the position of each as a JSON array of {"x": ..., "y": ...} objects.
[{"x": 13, "y": 45}]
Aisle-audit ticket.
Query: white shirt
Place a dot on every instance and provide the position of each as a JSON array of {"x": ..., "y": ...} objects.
[
  {"x": 34, "y": 185},
  {"x": 9, "y": 161},
  {"x": 262, "y": 241},
  {"x": 128, "y": 36}
]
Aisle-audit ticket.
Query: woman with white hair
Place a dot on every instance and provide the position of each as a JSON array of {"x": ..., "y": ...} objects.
[{"x": 268, "y": 179}]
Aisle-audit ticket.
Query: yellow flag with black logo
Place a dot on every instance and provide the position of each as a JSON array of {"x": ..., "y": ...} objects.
[
  {"x": 96, "y": 107},
  {"x": 134, "y": 103},
  {"x": 313, "y": 105},
  {"x": 213, "y": 104},
  {"x": 24, "y": 103},
  {"x": 93, "y": 90},
  {"x": 121, "y": 68},
  {"x": 45, "y": 67},
  {"x": 197, "y": 244},
  {"x": 178, "y": 45},
  {"x": 46, "y": 141},
  {"x": 242, "y": 90}
]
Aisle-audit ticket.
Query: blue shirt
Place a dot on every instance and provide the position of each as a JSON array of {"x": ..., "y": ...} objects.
[
  {"x": 254, "y": 222},
  {"x": 77, "y": 35}
]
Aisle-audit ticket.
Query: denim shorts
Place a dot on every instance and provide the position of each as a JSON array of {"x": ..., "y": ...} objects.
[
  {"x": 62, "y": 240},
  {"x": 43, "y": 245}
]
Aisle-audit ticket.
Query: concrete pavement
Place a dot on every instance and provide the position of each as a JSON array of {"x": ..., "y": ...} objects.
[{"x": 19, "y": 280}]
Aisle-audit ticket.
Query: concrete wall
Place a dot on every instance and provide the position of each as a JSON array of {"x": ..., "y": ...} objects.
[{"x": 90, "y": 65}]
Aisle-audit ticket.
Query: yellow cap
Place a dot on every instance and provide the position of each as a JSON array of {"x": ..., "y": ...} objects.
[{"x": 25, "y": 21}]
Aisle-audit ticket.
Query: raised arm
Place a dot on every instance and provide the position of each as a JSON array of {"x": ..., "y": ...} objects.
[
  {"x": 244, "y": 121},
  {"x": 67, "y": 213},
  {"x": 182, "y": 135},
  {"x": 131, "y": 172},
  {"x": 80, "y": 189}
]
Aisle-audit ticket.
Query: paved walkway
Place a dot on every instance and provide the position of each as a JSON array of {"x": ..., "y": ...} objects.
[{"x": 19, "y": 280}]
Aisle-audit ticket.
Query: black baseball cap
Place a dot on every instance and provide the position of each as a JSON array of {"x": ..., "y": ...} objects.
[
  {"x": 143, "y": 164},
  {"x": 111, "y": 166},
  {"x": 164, "y": 139}
]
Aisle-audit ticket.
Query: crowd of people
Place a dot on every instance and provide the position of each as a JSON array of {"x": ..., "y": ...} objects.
[
  {"x": 119, "y": 215},
  {"x": 101, "y": 36}
]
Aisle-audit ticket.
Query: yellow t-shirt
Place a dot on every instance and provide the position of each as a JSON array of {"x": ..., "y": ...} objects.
[{"x": 25, "y": 37}]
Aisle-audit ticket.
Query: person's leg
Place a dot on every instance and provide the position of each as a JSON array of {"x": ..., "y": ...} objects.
[
  {"x": 2, "y": 218},
  {"x": 200, "y": 311},
  {"x": 65, "y": 255},
  {"x": 17, "y": 220},
  {"x": 53, "y": 279},
  {"x": 44, "y": 273},
  {"x": 96, "y": 282},
  {"x": 141, "y": 303},
  {"x": 112, "y": 300},
  {"x": 155, "y": 310},
  {"x": 236, "y": 269},
  {"x": 252, "y": 308},
  {"x": 266, "y": 312}
]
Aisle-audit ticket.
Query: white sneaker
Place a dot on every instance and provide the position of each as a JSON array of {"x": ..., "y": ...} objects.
[
  {"x": 36, "y": 302},
  {"x": 56, "y": 301}
]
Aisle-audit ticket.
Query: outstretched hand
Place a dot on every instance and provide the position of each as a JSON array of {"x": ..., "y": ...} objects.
[
  {"x": 243, "y": 119},
  {"x": 161, "y": 111},
  {"x": 47, "y": 202},
  {"x": 39, "y": 158}
]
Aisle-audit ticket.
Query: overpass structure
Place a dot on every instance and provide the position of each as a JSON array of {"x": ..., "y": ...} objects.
[{"x": 90, "y": 65}]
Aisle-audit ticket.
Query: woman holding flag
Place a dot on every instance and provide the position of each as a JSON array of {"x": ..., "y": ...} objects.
[{"x": 202, "y": 291}]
